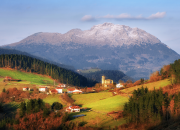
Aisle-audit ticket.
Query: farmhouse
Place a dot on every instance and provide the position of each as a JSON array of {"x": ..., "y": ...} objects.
[
  {"x": 73, "y": 109},
  {"x": 77, "y": 91},
  {"x": 70, "y": 90},
  {"x": 119, "y": 85},
  {"x": 7, "y": 78},
  {"x": 25, "y": 88},
  {"x": 42, "y": 89},
  {"x": 62, "y": 85},
  {"x": 53, "y": 91},
  {"x": 59, "y": 89},
  {"x": 74, "y": 91}
]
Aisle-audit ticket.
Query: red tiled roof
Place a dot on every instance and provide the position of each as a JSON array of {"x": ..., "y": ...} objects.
[
  {"x": 42, "y": 87},
  {"x": 7, "y": 77},
  {"x": 73, "y": 107},
  {"x": 78, "y": 92},
  {"x": 54, "y": 91},
  {"x": 71, "y": 89}
]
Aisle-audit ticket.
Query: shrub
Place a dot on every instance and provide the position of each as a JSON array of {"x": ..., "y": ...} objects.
[{"x": 57, "y": 106}]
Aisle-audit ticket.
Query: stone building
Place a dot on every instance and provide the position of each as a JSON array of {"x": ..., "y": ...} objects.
[{"x": 106, "y": 82}]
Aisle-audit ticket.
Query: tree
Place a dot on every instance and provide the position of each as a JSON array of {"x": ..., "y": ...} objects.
[
  {"x": 46, "y": 112},
  {"x": 129, "y": 81},
  {"x": 4, "y": 90},
  {"x": 57, "y": 106},
  {"x": 22, "y": 109},
  {"x": 121, "y": 81}
]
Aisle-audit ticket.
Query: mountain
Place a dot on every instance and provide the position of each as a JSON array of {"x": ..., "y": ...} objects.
[
  {"x": 13, "y": 51},
  {"x": 105, "y": 46}
]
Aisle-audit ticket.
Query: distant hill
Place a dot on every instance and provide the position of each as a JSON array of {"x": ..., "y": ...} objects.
[
  {"x": 115, "y": 75},
  {"x": 13, "y": 51},
  {"x": 33, "y": 65}
]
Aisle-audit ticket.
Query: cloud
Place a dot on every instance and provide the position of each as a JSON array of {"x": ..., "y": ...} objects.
[
  {"x": 124, "y": 16},
  {"x": 87, "y": 18},
  {"x": 157, "y": 15}
]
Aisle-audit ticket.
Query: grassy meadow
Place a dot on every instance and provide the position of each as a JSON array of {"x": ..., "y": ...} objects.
[
  {"x": 150, "y": 86},
  {"x": 51, "y": 99},
  {"x": 99, "y": 104},
  {"x": 90, "y": 97},
  {"x": 27, "y": 78}
]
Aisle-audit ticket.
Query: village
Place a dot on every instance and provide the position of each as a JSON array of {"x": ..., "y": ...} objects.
[{"x": 66, "y": 89}]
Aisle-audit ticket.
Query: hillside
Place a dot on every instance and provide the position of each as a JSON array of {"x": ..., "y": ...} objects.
[
  {"x": 32, "y": 65},
  {"x": 28, "y": 78},
  {"x": 115, "y": 75},
  {"x": 13, "y": 51},
  {"x": 106, "y": 46}
]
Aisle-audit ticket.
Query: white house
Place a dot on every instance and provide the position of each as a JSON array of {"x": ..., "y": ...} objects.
[
  {"x": 59, "y": 89},
  {"x": 77, "y": 91},
  {"x": 73, "y": 109},
  {"x": 70, "y": 90},
  {"x": 42, "y": 89},
  {"x": 25, "y": 88},
  {"x": 119, "y": 85},
  {"x": 62, "y": 85}
]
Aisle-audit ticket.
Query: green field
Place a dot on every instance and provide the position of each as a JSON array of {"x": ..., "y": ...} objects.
[
  {"x": 150, "y": 86},
  {"x": 103, "y": 101},
  {"x": 51, "y": 99},
  {"x": 90, "y": 97},
  {"x": 27, "y": 78},
  {"x": 100, "y": 104},
  {"x": 114, "y": 103}
]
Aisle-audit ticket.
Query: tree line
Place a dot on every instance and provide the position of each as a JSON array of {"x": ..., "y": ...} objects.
[
  {"x": 151, "y": 106},
  {"x": 33, "y": 65}
]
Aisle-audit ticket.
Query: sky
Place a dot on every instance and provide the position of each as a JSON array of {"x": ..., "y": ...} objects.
[{"x": 22, "y": 18}]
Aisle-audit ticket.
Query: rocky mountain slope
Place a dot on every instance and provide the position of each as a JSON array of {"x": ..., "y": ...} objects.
[{"x": 106, "y": 46}]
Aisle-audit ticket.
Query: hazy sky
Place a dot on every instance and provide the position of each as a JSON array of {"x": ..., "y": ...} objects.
[{"x": 21, "y": 18}]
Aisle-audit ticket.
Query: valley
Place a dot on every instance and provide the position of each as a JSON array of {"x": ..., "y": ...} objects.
[{"x": 101, "y": 109}]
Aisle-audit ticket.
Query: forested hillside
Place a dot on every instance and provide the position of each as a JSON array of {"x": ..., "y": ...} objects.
[
  {"x": 152, "y": 109},
  {"x": 13, "y": 51},
  {"x": 34, "y": 65}
]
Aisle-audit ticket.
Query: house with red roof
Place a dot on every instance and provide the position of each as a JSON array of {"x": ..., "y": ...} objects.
[
  {"x": 42, "y": 89},
  {"x": 77, "y": 91},
  {"x": 7, "y": 78},
  {"x": 70, "y": 90},
  {"x": 74, "y": 91},
  {"x": 59, "y": 89},
  {"x": 25, "y": 88},
  {"x": 53, "y": 91},
  {"x": 73, "y": 109},
  {"x": 62, "y": 85}
]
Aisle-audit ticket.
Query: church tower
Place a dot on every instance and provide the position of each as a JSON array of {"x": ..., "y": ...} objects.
[{"x": 103, "y": 80}]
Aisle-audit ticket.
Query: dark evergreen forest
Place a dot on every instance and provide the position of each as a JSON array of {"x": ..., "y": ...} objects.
[{"x": 33, "y": 65}]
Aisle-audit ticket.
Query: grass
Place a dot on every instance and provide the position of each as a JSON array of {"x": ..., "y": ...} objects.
[
  {"x": 114, "y": 103},
  {"x": 100, "y": 104},
  {"x": 90, "y": 97},
  {"x": 27, "y": 78},
  {"x": 51, "y": 99},
  {"x": 150, "y": 86}
]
